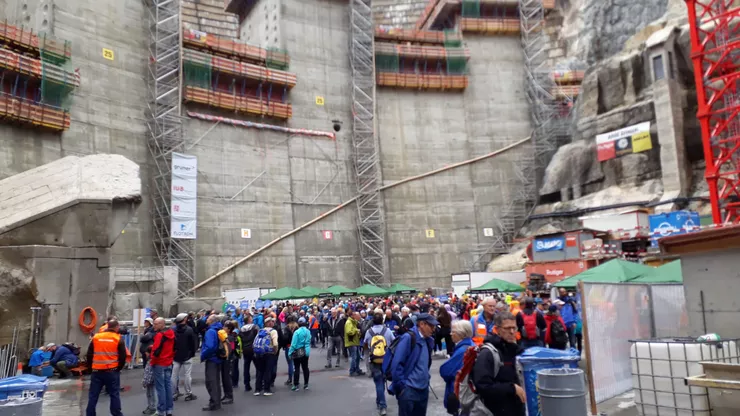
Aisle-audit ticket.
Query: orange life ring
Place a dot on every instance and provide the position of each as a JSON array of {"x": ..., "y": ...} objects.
[{"x": 89, "y": 327}]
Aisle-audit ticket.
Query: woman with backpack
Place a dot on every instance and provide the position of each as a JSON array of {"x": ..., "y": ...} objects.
[
  {"x": 285, "y": 340},
  {"x": 556, "y": 336},
  {"x": 299, "y": 350},
  {"x": 462, "y": 336}
]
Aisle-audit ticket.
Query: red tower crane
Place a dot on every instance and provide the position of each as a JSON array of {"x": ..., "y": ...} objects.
[{"x": 715, "y": 52}]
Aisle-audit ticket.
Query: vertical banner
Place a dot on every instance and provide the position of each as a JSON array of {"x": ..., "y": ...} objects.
[{"x": 183, "y": 203}]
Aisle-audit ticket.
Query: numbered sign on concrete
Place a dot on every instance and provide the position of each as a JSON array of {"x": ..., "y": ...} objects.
[
  {"x": 246, "y": 233},
  {"x": 108, "y": 54},
  {"x": 488, "y": 232},
  {"x": 430, "y": 233},
  {"x": 319, "y": 100},
  {"x": 328, "y": 235}
]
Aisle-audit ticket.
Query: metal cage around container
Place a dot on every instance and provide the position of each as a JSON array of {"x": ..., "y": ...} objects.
[{"x": 660, "y": 366}]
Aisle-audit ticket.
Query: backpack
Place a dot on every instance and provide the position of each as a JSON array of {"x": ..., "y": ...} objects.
[
  {"x": 388, "y": 358},
  {"x": 530, "y": 330},
  {"x": 558, "y": 334},
  {"x": 248, "y": 339},
  {"x": 470, "y": 402},
  {"x": 224, "y": 347},
  {"x": 263, "y": 343},
  {"x": 378, "y": 346},
  {"x": 74, "y": 348}
]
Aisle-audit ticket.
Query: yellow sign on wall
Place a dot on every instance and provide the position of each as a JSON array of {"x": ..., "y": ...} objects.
[
  {"x": 319, "y": 100},
  {"x": 430, "y": 233},
  {"x": 108, "y": 54},
  {"x": 641, "y": 142}
]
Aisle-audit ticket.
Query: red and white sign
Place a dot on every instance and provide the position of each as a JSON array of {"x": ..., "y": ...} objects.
[
  {"x": 556, "y": 271},
  {"x": 606, "y": 151},
  {"x": 328, "y": 235},
  {"x": 183, "y": 199},
  {"x": 571, "y": 240}
]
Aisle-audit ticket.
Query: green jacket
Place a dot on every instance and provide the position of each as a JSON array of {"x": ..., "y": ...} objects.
[{"x": 351, "y": 333}]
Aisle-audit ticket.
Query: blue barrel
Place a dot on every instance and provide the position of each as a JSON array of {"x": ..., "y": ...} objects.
[
  {"x": 536, "y": 359},
  {"x": 22, "y": 395}
]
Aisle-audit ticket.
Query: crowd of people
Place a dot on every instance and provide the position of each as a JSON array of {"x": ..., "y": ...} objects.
[{"x": 397, "y": 337}]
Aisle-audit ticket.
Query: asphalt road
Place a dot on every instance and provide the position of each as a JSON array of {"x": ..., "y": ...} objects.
[{"x": 332, "y": 393}]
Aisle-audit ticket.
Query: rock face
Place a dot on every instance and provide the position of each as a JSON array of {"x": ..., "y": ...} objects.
[{"x": 594, "y": 30}]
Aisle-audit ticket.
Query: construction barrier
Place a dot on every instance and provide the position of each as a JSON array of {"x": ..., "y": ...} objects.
[
  {"x": 447, "y": 37},
  {"x": 238, "y": 103},
  {"x": 272, "y": 58},
  {"x": 23, "y": 38},
  {"x": 37, "y": 69},
  {"x": 239, "y": 69},
  {"x": 26, "y": 111},
  {"x": 422, "y": 81},
  {"x": 490, "y": 26}
]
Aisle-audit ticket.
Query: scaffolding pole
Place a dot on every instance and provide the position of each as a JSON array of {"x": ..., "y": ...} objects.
[
  {"x": 371, "y": 218},
  {"x": 166, "y": 135}
]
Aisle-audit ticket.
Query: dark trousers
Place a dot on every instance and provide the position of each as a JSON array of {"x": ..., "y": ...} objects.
[
  {"x": 111, "y": 380},
  {"x": 572, "y": 335},
  {"x": 579, "y": 342},
  {"x": 248, "y": 358},
  {"x": 300, "y": 363},
  {"x": 264, "y": 365},
  {"x": 413, "y": 402},
  {"x": 322, "y": 336},
  {"x": 446, "y": 334},
  {"x": 273, "y": 374},
  {"x": 235, "y": 373},
  {"x": 213, "y": 384},
  {"x": 226, "y": 380},
  {"x": 314, "y": 337}
]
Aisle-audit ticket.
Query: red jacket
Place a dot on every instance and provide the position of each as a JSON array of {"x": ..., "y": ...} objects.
[
  {"x": 549, "y": 318},
  {"x": 163, "y": 350}
]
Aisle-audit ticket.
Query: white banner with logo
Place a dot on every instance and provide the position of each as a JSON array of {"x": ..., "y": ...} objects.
[{"x": 183, "y": 207}]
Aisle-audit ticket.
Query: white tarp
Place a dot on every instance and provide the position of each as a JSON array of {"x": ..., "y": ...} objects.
[{"x": 183, "y": 208}]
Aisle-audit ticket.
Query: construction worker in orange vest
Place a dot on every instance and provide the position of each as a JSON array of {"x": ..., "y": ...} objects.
[
  {"x": 483, "y": 323},
  {"x": 106, "y": 356}
]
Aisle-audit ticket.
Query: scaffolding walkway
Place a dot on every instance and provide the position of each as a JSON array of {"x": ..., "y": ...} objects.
[
  {"x": 166, "y": 135},
  {"x": 371, "y": 218}
]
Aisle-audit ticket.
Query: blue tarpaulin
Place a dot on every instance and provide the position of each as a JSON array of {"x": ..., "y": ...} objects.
[{"x": 23, "y": 386}]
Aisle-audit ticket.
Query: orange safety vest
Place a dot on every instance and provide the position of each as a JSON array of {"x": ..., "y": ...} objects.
[
  {"x": 480, "y": 333},
  {"x": 315, "y": 324},
  {"x": 105, "y": 351}
]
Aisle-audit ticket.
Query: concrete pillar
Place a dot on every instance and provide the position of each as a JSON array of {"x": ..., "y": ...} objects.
[
  {"x": 577, "y": 191},
  {"x": 565, "y": 194}
]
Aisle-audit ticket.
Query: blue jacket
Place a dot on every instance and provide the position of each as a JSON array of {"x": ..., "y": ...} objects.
[
  {"x": 410, "y": 366},
  {"x": 481, "y": 319},
  {"x": 209, "y": 349},
  {"x": 301, "y": 338},
  {"x": 449, "y": 369},
  {"x": 569, "y": 315},
  {"x": 391, "y": 324},
  {"x": 64, "y": 354},
  {"x": 259, "y": 320},
  {"x": 38, "y": 358}
]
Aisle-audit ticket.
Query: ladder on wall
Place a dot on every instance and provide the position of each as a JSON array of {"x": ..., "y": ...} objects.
[
  {"x": 371, "y": 219},
  {"x": 166, "y": 135}
]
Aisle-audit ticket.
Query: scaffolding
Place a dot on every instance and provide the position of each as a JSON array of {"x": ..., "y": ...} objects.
[
  {"x": 371, "y": 218},
  {"x": 166, "y": 135}
]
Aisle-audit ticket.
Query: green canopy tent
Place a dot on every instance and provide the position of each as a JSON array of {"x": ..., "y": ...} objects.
[
  {"x": 371, "y": 290},
  {"x": 497, "y": 285},
  {"x": 667, "y": 273},
  {"x": 613, "y": 271},
  {"x": 285, "y": 293},
  {"x": 339, "y": 290},
  {"x": 312, "y": 290},
  {"x": 400, "y": 289}
]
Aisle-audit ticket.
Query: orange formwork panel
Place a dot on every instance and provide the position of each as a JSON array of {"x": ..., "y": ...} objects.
[
  {"x": 422, "y": 52},
  {"x": 33, "y": 67},
  {"x": 26, "y": 111},
  {"x": 25, "y": 39},
  {"x": 228, "y": 47},
  {"x": 548, "y": 4},
  {"x": 422, "y": 81},
  {"x": 243, "y": 104},
  {"x": 564, "y": 91},
  {"x": 240, "y": 69},
  {"x": 489, "y": 26},
  {"x": 416, "y": 36}
]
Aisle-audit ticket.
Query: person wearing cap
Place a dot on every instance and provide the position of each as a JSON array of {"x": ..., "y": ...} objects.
[
  {"x": 214, "y": 363},
  {"x": 299, "y": 351},
  {"x": 40, "y": 359},
  {"x": 569, "y": 311},
  {"x": 146, "y": 340},
  {"x": 186, "y": 343},
  {"x": 352, "y": 342},
  {"x": 553, "y": 317},
  {"x": 410, "y": 367},
  {"x": 266, "y": 363}
]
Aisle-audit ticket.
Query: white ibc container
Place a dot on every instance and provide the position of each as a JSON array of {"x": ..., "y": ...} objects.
[{"x": 658, "y": 370}]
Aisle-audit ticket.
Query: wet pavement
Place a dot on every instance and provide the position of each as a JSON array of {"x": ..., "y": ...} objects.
[{"x": 331, "y": 393}]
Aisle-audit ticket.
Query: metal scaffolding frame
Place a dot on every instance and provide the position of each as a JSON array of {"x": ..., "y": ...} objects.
[
  {"x": 166, "y": 135},
  {"x": 371, "y": 218}
]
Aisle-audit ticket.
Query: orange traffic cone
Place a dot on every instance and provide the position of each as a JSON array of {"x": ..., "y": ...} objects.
[{"x": 19, "y": 371}]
